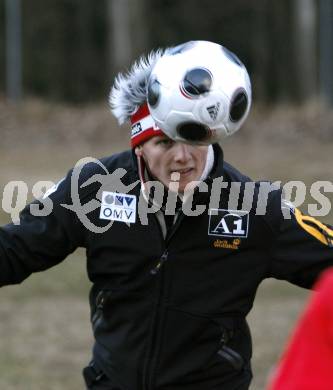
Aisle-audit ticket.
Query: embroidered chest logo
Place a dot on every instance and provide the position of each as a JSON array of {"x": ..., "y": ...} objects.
[
  {"x": 225, "y": 244},
  {"x": 228, "y": 223},
  {"x": 118, "y": 207}
]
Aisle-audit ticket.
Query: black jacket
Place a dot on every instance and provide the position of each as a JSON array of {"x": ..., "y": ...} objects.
[{"x": 170, "y": 313}]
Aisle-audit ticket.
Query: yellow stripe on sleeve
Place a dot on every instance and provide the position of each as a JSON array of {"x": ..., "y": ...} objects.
[{"x": 302, "y": 220}]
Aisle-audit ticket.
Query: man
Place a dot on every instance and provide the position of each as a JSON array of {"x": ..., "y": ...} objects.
[{"x": 174, "y": 253}]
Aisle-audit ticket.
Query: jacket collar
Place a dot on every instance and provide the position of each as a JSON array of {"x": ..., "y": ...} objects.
[{"x": 217, "y": 170}]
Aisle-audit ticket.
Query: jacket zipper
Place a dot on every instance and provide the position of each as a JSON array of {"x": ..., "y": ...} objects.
[
  {"x": 156, "y": 329},
  {"x": 154, "y": 346},
  {"x": 161, "y": 261},
  {"x": 164, "y": 256}
]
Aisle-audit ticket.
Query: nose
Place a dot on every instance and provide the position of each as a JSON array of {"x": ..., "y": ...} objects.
[{"x": 182, "y": 152}]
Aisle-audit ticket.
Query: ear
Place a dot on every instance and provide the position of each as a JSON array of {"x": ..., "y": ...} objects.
[{"x": 138, "y": 151}]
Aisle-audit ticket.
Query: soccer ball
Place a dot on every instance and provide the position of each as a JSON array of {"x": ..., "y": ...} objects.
[{"x": 199, "y": 93}]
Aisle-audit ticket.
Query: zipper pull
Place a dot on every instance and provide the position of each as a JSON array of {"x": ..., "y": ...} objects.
[
  {"x": 100, "y": 300},
  {"x": 158, "y": 266}
]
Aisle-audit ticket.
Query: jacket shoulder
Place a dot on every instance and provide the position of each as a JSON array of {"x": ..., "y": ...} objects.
[
  {"x": 119, "y": 160},
  {"x": 90, "y": 174},
  {"x": 231, "y": 174},
  {"x": 108, "y": 164}
]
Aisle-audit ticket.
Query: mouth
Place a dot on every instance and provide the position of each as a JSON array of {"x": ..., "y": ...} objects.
[{"x": 183, "y": 172}]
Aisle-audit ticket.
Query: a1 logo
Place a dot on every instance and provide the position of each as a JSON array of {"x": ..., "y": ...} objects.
[{"x": 228, "y": 223}]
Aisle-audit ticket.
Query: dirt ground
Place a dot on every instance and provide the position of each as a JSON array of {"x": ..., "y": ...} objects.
[{"x": 45, "y": 334}]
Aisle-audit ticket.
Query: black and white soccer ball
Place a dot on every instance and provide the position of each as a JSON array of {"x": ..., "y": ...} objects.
[{"x": 199, "y": 93}]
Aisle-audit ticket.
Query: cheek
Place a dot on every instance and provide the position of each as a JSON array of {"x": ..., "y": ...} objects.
[
  {"x": 200, "y": 161},
  {"x": 156, "y": 167},
  {"x": 162, "y": 168}
]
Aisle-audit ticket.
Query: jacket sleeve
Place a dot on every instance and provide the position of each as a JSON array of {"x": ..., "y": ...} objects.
[
  {"x": 39, "y": 242},
  {"x": 302, "y": 246}
]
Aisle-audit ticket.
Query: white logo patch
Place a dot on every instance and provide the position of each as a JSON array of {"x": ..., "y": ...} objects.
[
  {"x": 228, "y": 223},
  {"x": 118, "y": 207}
]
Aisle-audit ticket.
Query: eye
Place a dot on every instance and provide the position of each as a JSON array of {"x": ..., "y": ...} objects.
[{"x": 165, "y": 142}]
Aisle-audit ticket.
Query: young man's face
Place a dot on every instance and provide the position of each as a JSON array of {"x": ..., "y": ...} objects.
[{"x": 164, "y": 157}]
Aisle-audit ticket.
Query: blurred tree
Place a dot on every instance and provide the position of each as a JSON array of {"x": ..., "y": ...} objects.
[
  {"x": 281, "y": 63},
  {"x": 41, "y": 64},
  {"x": 304, "y": 50},
  {"x": 326, "y": 50},
  {"x": 65, "y": 49},
  {"x": 13, "y": 50},
  {"x": 260, "y": 48},
  {"x": 127, "y": 32},
  {"x": 119, "y": 33},
  {"x": 2, "y": 47}
]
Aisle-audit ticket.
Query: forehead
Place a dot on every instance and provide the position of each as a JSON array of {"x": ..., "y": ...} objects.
[
  {"x": 163, "y": 143},
  {"x": 154, "y": 141},
  {"x": 162, "y": 137}
]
